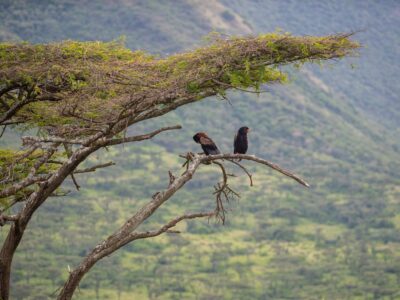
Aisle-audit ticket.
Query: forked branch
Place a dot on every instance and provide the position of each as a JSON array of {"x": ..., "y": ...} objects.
[
  {"x": 244, "y": 170},
  {"x": 168, "y": 226},
  {"x": 260, "y": 161}
]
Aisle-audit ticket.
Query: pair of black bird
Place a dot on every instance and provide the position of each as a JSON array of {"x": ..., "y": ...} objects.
[{"x": 240, "y": 143}]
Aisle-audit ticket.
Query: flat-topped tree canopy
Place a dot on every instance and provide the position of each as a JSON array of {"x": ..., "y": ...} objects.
[
  {"x": 87, "y": 92},
  {"x": 78, "y": 89}
]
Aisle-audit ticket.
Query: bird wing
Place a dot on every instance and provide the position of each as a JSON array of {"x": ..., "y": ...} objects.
[
  {"x": 206, "y": 141},
  {"x": 234, "y": 143}
]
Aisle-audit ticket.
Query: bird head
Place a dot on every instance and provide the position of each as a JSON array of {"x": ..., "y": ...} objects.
[
  {"x": 199, "y": 135},
  {"x": 244, "y": 130}
]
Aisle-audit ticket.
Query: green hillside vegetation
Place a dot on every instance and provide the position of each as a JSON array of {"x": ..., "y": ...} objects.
[
  {"x": 155, "y": 25},
  {"x": 337, "y": 240}
]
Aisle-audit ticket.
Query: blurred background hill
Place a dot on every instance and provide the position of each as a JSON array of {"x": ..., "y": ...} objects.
[{"x": 337, "y": 125}]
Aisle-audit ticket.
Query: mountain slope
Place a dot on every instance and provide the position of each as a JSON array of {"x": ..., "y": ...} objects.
[
  {"x": 337, "y": 240},
  {"x": 372, "y": 86}
]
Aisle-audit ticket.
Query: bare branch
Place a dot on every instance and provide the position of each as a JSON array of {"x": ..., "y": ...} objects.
[
  {"x": 11, "y": 190},
  {"x": 137, "y": 138},
  {"x": 126, "y": 234},
  {"x": 27, "y": 153},
  {"x": 94, "y": 168},
  {"x": 142, "y": 235},
  {"x": 28, "y": 140},
  {"x": 14, "y": 122},
  {"x": 171, "y": 178},
  {"x": 75, "y": 182},
  {"x": 231, "y": 157},
  {"x": 56, "y": 162},
  {"x": 257, "y": 160},
  {"x": 62, "y": 194},
  {"x": 68, "y": 151},
  {"x": 7, "y": 218},
  {"x": 244, "y": 170},
  {"x": 3, "y": 130},
  {"x": 220, "y": 190}
]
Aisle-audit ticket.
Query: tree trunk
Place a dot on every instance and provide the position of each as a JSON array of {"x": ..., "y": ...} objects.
[
  {"x": 34, "y": 201},
  {"x": 6, "y": 255},
  {"x": 12, "y": 241}
]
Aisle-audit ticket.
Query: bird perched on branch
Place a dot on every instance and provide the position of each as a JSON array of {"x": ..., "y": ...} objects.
[
  {"x": 240, "y": 143},
  {"x": 206, "y": 143}
]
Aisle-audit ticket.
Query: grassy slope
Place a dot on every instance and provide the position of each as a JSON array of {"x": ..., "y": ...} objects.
[{"x": 338, "y": 240}]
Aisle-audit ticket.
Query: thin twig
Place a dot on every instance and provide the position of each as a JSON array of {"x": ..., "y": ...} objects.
[
  {"x": 3, "y": 130},
  {"x": 68, "y": 151},
  {"x": 142, "y": 137},
  {"x": 244, "y": 169},
  {"x": 94, "y": 168},
  {"x": 237, "y": 88},
  {"x": 260, "y": 161},
  {"x": 219, "y": 191},
  {"x": 27, "y": 140},
  {"x": 166, "y": 227}
]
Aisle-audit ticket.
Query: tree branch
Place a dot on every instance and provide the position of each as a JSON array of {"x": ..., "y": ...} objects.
[
  {"x": 94, "y": 168},
  {"x": 260, "y": 161},
  {"x": 244, "y": 170},
  {"x": 142, "y": 137},
  {"x": 126, "y": 234},
  {"x": 3, "y": 130},
  {"x": 5, "y": 90},
  {"x": 32, "y": 177},
  {"x": 14, "y": 109},
  {"x": 237, "y": 88},
  {"x": 17, "y": 199},
  {"x": 7, "y": 218},
  {"x": 13, "y": 189},
  {"x": 142, "y": 235},
  {"x": 221, "y": 189},
  {"x": 27, "y": 140}
]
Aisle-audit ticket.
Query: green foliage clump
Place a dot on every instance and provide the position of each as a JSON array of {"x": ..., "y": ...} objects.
[{"x": 17, "y": 165}]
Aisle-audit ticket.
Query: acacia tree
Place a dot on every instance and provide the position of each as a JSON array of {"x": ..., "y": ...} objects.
[{"x": 82, "y": 97}]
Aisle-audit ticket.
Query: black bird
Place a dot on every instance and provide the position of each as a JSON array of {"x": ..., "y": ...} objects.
[
  {"x": 240, "y": 143},
  {"x": 206, "y": 143}
]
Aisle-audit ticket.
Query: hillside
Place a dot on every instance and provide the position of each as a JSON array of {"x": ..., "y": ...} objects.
[
  {"x": 337, "y": 240},
  {"x": 372, "y": 85}
]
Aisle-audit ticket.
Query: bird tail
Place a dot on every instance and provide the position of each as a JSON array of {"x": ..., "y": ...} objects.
[{"x": 214, "y": 152}]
